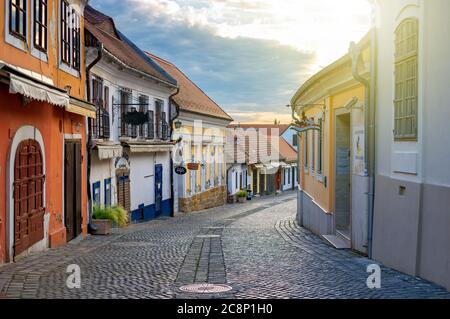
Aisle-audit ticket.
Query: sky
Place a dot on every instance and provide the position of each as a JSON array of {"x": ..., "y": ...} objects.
[{"x": 249, "y": 56}]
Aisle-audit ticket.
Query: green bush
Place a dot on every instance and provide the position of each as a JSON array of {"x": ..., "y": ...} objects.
[
  {"x": 122, "y": 216},
  {"x": 116, "y": 214},
  {"x": 242, "y": 194}
]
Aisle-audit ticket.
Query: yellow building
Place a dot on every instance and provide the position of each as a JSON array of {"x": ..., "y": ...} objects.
[{"x": 329, "y": 112}]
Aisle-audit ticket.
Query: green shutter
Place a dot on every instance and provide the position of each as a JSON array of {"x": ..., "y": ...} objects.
[{"x": 406, "y": 81}]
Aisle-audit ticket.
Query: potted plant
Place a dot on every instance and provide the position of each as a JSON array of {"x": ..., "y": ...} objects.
[
  {"x": 242, "y": 196},
  {"x": 105, "y": 217}
]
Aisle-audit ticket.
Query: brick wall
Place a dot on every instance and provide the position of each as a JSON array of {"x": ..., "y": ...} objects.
[{"x": 209, "y": 199}]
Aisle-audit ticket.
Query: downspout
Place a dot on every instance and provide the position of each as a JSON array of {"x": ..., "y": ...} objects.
[
  {"x": 372, "y": 131},
  {"x": 171, "y": 120},
  {"x": 355, "y": 53},
  {"x": 89, "y": 141}
]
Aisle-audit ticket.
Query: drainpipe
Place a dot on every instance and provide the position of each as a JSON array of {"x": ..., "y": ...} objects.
[
  {"x": 171, "y": 120},
  {"x": 89, "y": 141},
  {"x": 372, "y": 130},
  {"x": 355, "y": 53}
]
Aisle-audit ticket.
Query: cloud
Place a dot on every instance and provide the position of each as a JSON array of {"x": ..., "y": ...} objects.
[
  {"x": 261, "y": 117},
  {"x": 249, "y": 56}
]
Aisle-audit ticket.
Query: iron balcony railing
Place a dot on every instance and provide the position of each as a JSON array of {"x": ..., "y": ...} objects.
[
  {"x": 141, "y": 131},
  {"x": 101, "y": 128}
]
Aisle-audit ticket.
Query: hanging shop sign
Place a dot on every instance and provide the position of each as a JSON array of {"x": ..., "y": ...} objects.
[
  {"x": 180, "y": 170},
  {"x": 193, "y": 166}
]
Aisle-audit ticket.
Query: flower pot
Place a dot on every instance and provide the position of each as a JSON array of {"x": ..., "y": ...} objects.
[
  {"x": 242, "y": 200},
  {"x": 103, "y": 226},
  {"x": 231, "y": 199}
]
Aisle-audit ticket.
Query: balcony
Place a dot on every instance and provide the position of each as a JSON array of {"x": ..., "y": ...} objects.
[
  {"x": 101, "y": 128},
  {"x": 164, "y": 131},
  {"x": 137, "y": 125}
]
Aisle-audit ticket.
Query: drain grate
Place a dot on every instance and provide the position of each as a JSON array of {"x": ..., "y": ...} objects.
[{"x": 205, "y": 288}]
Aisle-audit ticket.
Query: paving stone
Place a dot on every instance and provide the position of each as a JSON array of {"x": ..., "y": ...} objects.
[{"x": 261, "y": 252}]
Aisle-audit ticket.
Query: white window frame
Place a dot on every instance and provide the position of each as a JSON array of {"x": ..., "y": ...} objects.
[
  {"x": 11, "y": 39},
  {"x": 62, "y": 65},
  {"x": 34, "y": 51}
]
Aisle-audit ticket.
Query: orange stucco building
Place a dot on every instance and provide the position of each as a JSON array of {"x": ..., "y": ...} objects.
[{"x": 43, "y": 202}]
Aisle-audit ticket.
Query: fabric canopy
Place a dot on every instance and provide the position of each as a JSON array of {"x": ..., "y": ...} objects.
[
  {"x": 109, "y": 151},
  {"x": 270, "y": 169},
  {"x": 37, "y": 91},
  {"x": 149, "y": 148},
  {"x": 81, "y": 108}
]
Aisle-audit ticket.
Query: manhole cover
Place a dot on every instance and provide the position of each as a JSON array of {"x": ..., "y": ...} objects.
[
  {"x": 208, "y": 236},
  {"x": 205, "y": 288}
]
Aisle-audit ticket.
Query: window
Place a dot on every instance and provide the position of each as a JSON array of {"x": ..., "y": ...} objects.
[
  {"x": 406, "y": 80},
  {"x": 96, "y": 194},
  {"x": 70, "y": 34},
  {"x": 295, "y": 140},
  {"x": 313, "y": 151},
  {"x": 106, "y": 98},
  {"x": 159, "y": 105},
  {"x": 108, "y": 192},
  {"x": 320, "y": 148},
  {"x": 76, "y": 41},
  {"x": 305, "y": 149},
  {"x": 18, "y": 18},
  {"x": 40, "y": 25},
  {"x": 65, "y": 32},
  {"x": 97, "y": 89}
]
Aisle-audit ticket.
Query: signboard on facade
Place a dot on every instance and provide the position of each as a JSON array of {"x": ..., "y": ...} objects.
[
  {"x": 180, "y": 170},
  {"x": 193, "y": 166},
  {"x": 358, "y": 151}
]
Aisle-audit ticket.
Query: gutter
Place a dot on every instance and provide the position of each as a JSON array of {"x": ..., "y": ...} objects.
[
  {"x": 171, "y": 120},
  {"x": 369, "y": 127},
  {"x": 126, "y": 66},
  {"x": 89, "y": 141}
]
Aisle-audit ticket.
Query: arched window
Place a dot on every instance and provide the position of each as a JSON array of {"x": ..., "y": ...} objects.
[{"x": 406, "y": 80}]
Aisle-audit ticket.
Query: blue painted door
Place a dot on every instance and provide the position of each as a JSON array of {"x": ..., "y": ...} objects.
[{"x": 158, "y": 189}]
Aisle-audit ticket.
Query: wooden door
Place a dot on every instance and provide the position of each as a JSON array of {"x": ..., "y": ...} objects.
[
  {"x": 255, "y": 182},
  {"x": 72, "y": 189},
  {"x": 28, "y": 195},
  {"x": 123, "y": 189}
]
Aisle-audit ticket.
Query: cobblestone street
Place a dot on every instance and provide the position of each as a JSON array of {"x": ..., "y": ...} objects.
[{"x": 256, "y": 248}]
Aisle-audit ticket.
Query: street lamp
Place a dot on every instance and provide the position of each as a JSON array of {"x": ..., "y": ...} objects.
[{"x": 178, "y": 124}]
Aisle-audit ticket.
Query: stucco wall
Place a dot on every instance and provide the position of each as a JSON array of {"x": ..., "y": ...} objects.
[
  {"x": 53, "y": 123},
  {"x": 411, "y": 230},
  {"x": 233, "y": 184}
]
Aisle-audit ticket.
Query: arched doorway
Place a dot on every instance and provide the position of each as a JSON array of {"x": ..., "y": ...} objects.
[{"x": 28, "y": 197}]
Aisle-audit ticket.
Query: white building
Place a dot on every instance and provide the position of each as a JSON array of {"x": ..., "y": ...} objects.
[
  {"x": 412, "y": 195},
  {"x": 131, "y": 157}
]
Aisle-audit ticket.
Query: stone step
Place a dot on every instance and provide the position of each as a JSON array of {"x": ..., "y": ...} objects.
[{"x": 337, "y": 242}]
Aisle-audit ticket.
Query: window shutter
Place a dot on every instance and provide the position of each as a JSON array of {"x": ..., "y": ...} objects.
[{"x": 406, "y": 80}]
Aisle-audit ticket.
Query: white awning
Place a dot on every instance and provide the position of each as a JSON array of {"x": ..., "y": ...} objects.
[
  {"x": 284, "y": 165},
  {"x": 81, "y": 107},
  {"x": 270, "y": 169},
  {"x": 259, "y": 166},
  {"x": 149, "y": 148},
  {"x": 294, "y": 164},
  {"x": 37, "y": 91},
  {"x": 109, "y": 151}
]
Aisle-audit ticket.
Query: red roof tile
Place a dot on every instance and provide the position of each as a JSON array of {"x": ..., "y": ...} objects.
[{"x": 102, "y": 27}]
